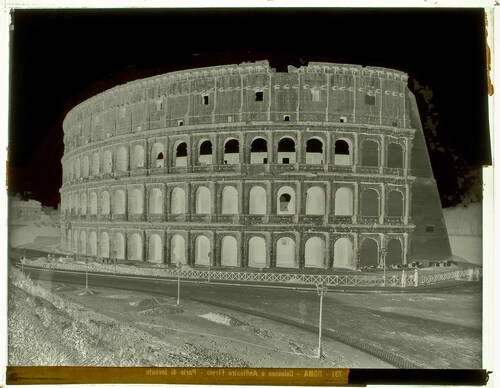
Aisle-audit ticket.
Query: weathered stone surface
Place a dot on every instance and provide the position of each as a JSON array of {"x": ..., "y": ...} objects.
[{"x": 239, "y": 165}]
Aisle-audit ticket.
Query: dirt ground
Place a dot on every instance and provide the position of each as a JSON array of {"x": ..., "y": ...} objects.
[{"x": 218, "y": 337}]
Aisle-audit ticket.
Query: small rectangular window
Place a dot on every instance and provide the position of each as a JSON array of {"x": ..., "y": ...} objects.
[
  {"x": 205, "y": 100},
  {"x": 286, "y": 118},
  {"x": 315, "y": 95},
  {"x": 429, "y": 228},
  {"x": 286, "y": 160},
  {"x": 259, "y": 96},
  {"x": 343, "y": 119},
  {"x": 369, "y": 100},
  {"x": 180, "y": 123},
  {"x": 264, "y": 161}
]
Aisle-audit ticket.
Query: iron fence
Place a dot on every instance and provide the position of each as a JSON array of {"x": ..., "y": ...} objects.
[{"x": 407, "y": 278}]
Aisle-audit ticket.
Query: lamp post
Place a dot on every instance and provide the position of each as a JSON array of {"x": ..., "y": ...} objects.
[
  {"x": 321, "y": 289},
  {"x": 384, "y": 254},
  {"x": 178, "y": 283},
  {"x": 209, "y": 262},
  {"x": 86, "y": 273}
]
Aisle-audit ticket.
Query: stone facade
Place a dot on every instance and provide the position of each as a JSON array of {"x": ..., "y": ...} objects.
[
  {"x": 24, "y": 212},
  {"x": 243, "y": 166}
]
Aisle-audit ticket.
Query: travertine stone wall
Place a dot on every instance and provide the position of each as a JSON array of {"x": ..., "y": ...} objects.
[{"x": 241, "y": 166}]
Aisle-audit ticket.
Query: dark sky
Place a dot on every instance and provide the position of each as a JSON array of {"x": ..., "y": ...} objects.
[{"x": 59, "y": 58}]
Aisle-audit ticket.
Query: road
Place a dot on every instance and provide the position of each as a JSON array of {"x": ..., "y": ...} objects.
[{"x": 402, "y": 340}]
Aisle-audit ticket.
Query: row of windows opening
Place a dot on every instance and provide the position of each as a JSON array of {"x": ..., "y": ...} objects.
[
  {"x": 286, "y": 202},
  {"x": 315, "y": 251},
  {"x": 259, "y": 154}
]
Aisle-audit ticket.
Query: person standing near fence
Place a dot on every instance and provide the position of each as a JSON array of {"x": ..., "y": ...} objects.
[{"x": 415, "y": 277}]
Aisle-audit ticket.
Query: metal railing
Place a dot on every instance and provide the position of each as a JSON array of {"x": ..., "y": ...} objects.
[{"x": 407, "y": 278}]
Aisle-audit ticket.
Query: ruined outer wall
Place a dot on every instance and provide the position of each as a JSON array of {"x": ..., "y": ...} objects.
[
  {"x": 430, "y": 237},
  {"x": 351, "y": 93}
]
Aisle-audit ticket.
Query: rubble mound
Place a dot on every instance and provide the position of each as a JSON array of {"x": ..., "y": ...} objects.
[
  {"x": 223, "y": 319},
  {"x": 162, "y": 310}
]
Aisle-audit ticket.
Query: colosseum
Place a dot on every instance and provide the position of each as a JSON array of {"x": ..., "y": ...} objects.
[{"x": 322, "y": 166}]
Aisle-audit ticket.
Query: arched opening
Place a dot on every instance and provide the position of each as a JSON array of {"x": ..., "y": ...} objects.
[
  {"x": 77, "y": 169},
  {"x": 286, "y": 151},
  {"x": 232, "y": 152},
  {"x": 93, "y": 243},
  {"x": 135, "y": 247},
  {"x": 342, "y": 253},
  {"x": 229, "y": 200},
  {"x": 119, "y": 202},
  {"x": 395, "y": 204},
  {"x": 93, "y": 203},
  {"x": 104, "y": 245},
  {"x": 369, "y": 254},
  {"x": 83, "y": 203},
  {"x": 86, "y": 166},
  {"x": 121, "y": 160},
  {"x": 203, "y": 201},
  {"x": 155, "y": 201},
  {"x": 177, "y": 250},
  {"x": 181, "y": 155},
  {"x": 286, "y": 200},
  {"x": 138, "y": 157},
  {"x": 202, "y": 250},
  {"x": 315, "y": 201},
  {"x": 75, "y": 241},
  {"x": 258, "y": 200},
  {"x": 257, "y": 252},
  {"x": 205, "y": 153},
  {"x": 71, "y": 169},
  {"x": 369, "y": 153},
  {"x": 342, "y": 153},
  {"x": 105, "y": 203},
  {"x": 370, "y": 203},
  {"x": 160, "y": 160},
  {"x": 258, "y": 151},
  {"x": 75, "y": 203},
  {"x": 314, "y": 151},
  {"x": 343, "y": 202},
  {"x": 83, "y": 243},
  {"x": 95, "y": 164},
  {"x": 68, "y": 239},
  {"x": 285, "y": 252},
  {"x": 394, "y": 155},
  {"x": 394, "y": 253},
  {"x": 315, "y": 252},
  {"x": 136, "y": 202},
  {"x": 119, "y": 247},
  {"x": 178, "y": 201},
  {"x": 229, "y": 251},
  {"x": 158, "y": 157},
  {"x": 155, "y": 252},
  {"x": 107, "y": 162}
]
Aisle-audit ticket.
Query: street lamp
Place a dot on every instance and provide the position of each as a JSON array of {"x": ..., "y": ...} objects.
[
  {"x": 384, "y": 254},
  {"x": 86, "y": 273},
  {"x": 178, "y": 282},
  {"x": 209, "y": 262},
  {"x": 322, "y": 289}
]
